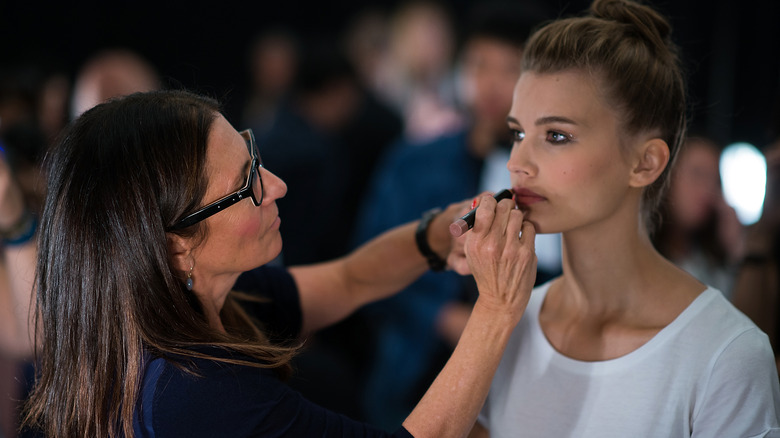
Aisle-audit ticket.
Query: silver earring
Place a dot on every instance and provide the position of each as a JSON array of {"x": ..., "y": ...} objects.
[{"x": 189, "y": 278}]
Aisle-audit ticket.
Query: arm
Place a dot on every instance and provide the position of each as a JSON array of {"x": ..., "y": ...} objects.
[
  {"x": 504, "y": 268},
  {"x": 332, "y": 290},
  {"x": 17, "y": 274}
]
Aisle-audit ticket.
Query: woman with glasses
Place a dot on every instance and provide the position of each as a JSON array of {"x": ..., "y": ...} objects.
[{"x": 156, "y": 205}]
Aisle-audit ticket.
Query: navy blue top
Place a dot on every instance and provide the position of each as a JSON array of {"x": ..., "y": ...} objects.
[{"x": 240, "y": 401}]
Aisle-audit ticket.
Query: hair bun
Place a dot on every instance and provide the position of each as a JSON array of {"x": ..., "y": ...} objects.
[{"x": 644, "y": 19}]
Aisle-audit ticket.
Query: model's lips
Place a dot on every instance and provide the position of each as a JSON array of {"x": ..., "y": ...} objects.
[{"x": 526, "y": 197}]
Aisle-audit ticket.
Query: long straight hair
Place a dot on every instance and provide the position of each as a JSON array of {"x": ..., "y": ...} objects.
[{"x": 107, "y": 293}]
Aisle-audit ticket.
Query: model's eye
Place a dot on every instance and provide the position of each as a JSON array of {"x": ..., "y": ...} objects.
[
  {"x": 517, "y": 135},
  {"x": 557, "y": 137}
]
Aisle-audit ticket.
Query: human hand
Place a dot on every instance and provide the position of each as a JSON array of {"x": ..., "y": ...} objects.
[
  {"x": 503, "y": 265},
  {"x": 456, "y": 260},
  {"x": 439, "y": 238}
]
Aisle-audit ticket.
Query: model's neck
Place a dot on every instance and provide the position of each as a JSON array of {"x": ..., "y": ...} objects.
[{"x": 606, "y": 264}]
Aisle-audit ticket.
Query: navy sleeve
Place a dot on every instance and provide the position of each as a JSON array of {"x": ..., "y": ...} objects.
[
  {"x": 239, "y": 401},
  {"x": 280, "y": 311}
]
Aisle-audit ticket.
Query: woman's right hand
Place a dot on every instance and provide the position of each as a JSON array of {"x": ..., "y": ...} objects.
[{"x": 503, "y": 264}]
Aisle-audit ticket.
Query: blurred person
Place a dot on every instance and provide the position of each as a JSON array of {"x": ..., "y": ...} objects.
[
  {"x": 757, "y": 286},
  {"x": 18, "y": 226},
  {"x": 29, "y": 110},
  {"x": 416, "y": 75},
  {"x": 698, "y": 230},
  {"x": 367, "y": 43},
  {"x": 272, "y": 60},
  {"x": 305, "y": 147},
  {"x": 315, "y": 144},
  {"x": 624, "y": 343},
  {"x": 111, "y": 73},
  {"x": 140, "y": 249},
  {"x": 375, "y": 126},
  {"x": 408, "y": 349}
]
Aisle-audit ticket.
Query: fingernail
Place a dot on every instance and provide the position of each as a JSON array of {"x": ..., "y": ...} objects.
[{"x": 474, "y": 203}]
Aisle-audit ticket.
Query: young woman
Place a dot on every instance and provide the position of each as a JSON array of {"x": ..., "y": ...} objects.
[
  {"x": 155, "y": 206},
  {"x": 623, "y": 344}
]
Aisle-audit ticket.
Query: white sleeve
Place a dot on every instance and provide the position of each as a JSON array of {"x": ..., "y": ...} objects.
[{"x": 741, "y": 396}]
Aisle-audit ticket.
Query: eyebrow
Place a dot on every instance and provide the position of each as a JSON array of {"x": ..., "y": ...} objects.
[{"x": 545, "y": 120}]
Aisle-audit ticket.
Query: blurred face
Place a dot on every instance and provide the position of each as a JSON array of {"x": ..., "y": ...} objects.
[
  {"x": 491, "y": 69},
  {"x": 567, "y": 165},
  {"x": 695, "y": 187},
  {"x": 242, "y": 236}
]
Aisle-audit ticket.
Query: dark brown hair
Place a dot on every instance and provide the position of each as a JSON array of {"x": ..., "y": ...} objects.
[
  {"x": 627, "y": 47},
  {"x": 107, "y": 293}
]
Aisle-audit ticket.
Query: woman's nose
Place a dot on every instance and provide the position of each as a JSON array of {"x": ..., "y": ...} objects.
[
  {"x": 521, "y": 159},
  {"x": 273, "y": 186}
]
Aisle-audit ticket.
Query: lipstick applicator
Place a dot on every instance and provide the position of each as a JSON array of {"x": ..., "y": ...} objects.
[{"x": 466, "y": 222}]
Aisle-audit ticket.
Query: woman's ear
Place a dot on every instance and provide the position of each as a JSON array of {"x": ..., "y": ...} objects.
[
  {"x": 180, "y": 252},
  {"x": 652, "y": 159}
]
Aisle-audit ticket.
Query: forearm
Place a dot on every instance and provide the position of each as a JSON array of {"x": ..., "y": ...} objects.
[
  {"x": 452, "y": 403},
  {"x": 19, "y": 275},
  {"x": 331, "y": 291},
  {"x": 383, "y": 266}
]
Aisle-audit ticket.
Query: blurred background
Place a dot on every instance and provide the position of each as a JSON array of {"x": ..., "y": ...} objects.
[
  {"x": 404, "y": 102},
  {"x": 731, "y": 48}
]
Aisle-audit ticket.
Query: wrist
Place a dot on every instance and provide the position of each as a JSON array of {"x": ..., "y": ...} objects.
[{"x": 423, "y": 240}]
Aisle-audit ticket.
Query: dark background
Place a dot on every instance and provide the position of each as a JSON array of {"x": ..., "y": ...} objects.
[{"x": 731, "y": 48}]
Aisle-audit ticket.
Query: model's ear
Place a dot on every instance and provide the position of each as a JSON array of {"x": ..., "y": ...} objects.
[
  {"x": 651, "y": 159},
  {"x": 180, "y": 252}
]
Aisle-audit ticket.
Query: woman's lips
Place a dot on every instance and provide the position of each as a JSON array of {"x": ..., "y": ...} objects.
[{"x": 525, "y": 197}]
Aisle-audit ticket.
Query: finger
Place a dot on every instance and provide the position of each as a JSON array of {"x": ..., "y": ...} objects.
[
  {"x": 484, "y": 216},
  {"x": 460, "y": 265},
  {"x": 503, "y": 210},
  {"x": 529, "y": 235},
  {"x": 514, "y": 227}
]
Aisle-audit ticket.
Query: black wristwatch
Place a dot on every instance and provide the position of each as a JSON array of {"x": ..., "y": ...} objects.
[{"x": 421, "y": 237}]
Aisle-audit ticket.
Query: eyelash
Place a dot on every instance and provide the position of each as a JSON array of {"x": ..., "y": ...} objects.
[
  {"x": 553, "y": 137},
  {"x": 562, "y": 138}
]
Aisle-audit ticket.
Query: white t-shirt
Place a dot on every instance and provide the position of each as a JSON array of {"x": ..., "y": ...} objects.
[{"x": 710, "y": 373}]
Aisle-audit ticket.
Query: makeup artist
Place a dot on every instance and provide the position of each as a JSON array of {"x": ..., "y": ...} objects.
[{"x": 156, "y": 206}]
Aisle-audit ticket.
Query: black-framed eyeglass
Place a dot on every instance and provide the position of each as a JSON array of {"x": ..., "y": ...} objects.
[{"x": 252, "y": 188}]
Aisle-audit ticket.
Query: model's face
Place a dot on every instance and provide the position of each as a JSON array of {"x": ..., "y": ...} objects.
[
  {"x": 242, "y": 236},
  {"x": 568, "y": 167},
  {"x": 695, "y": 188}
]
